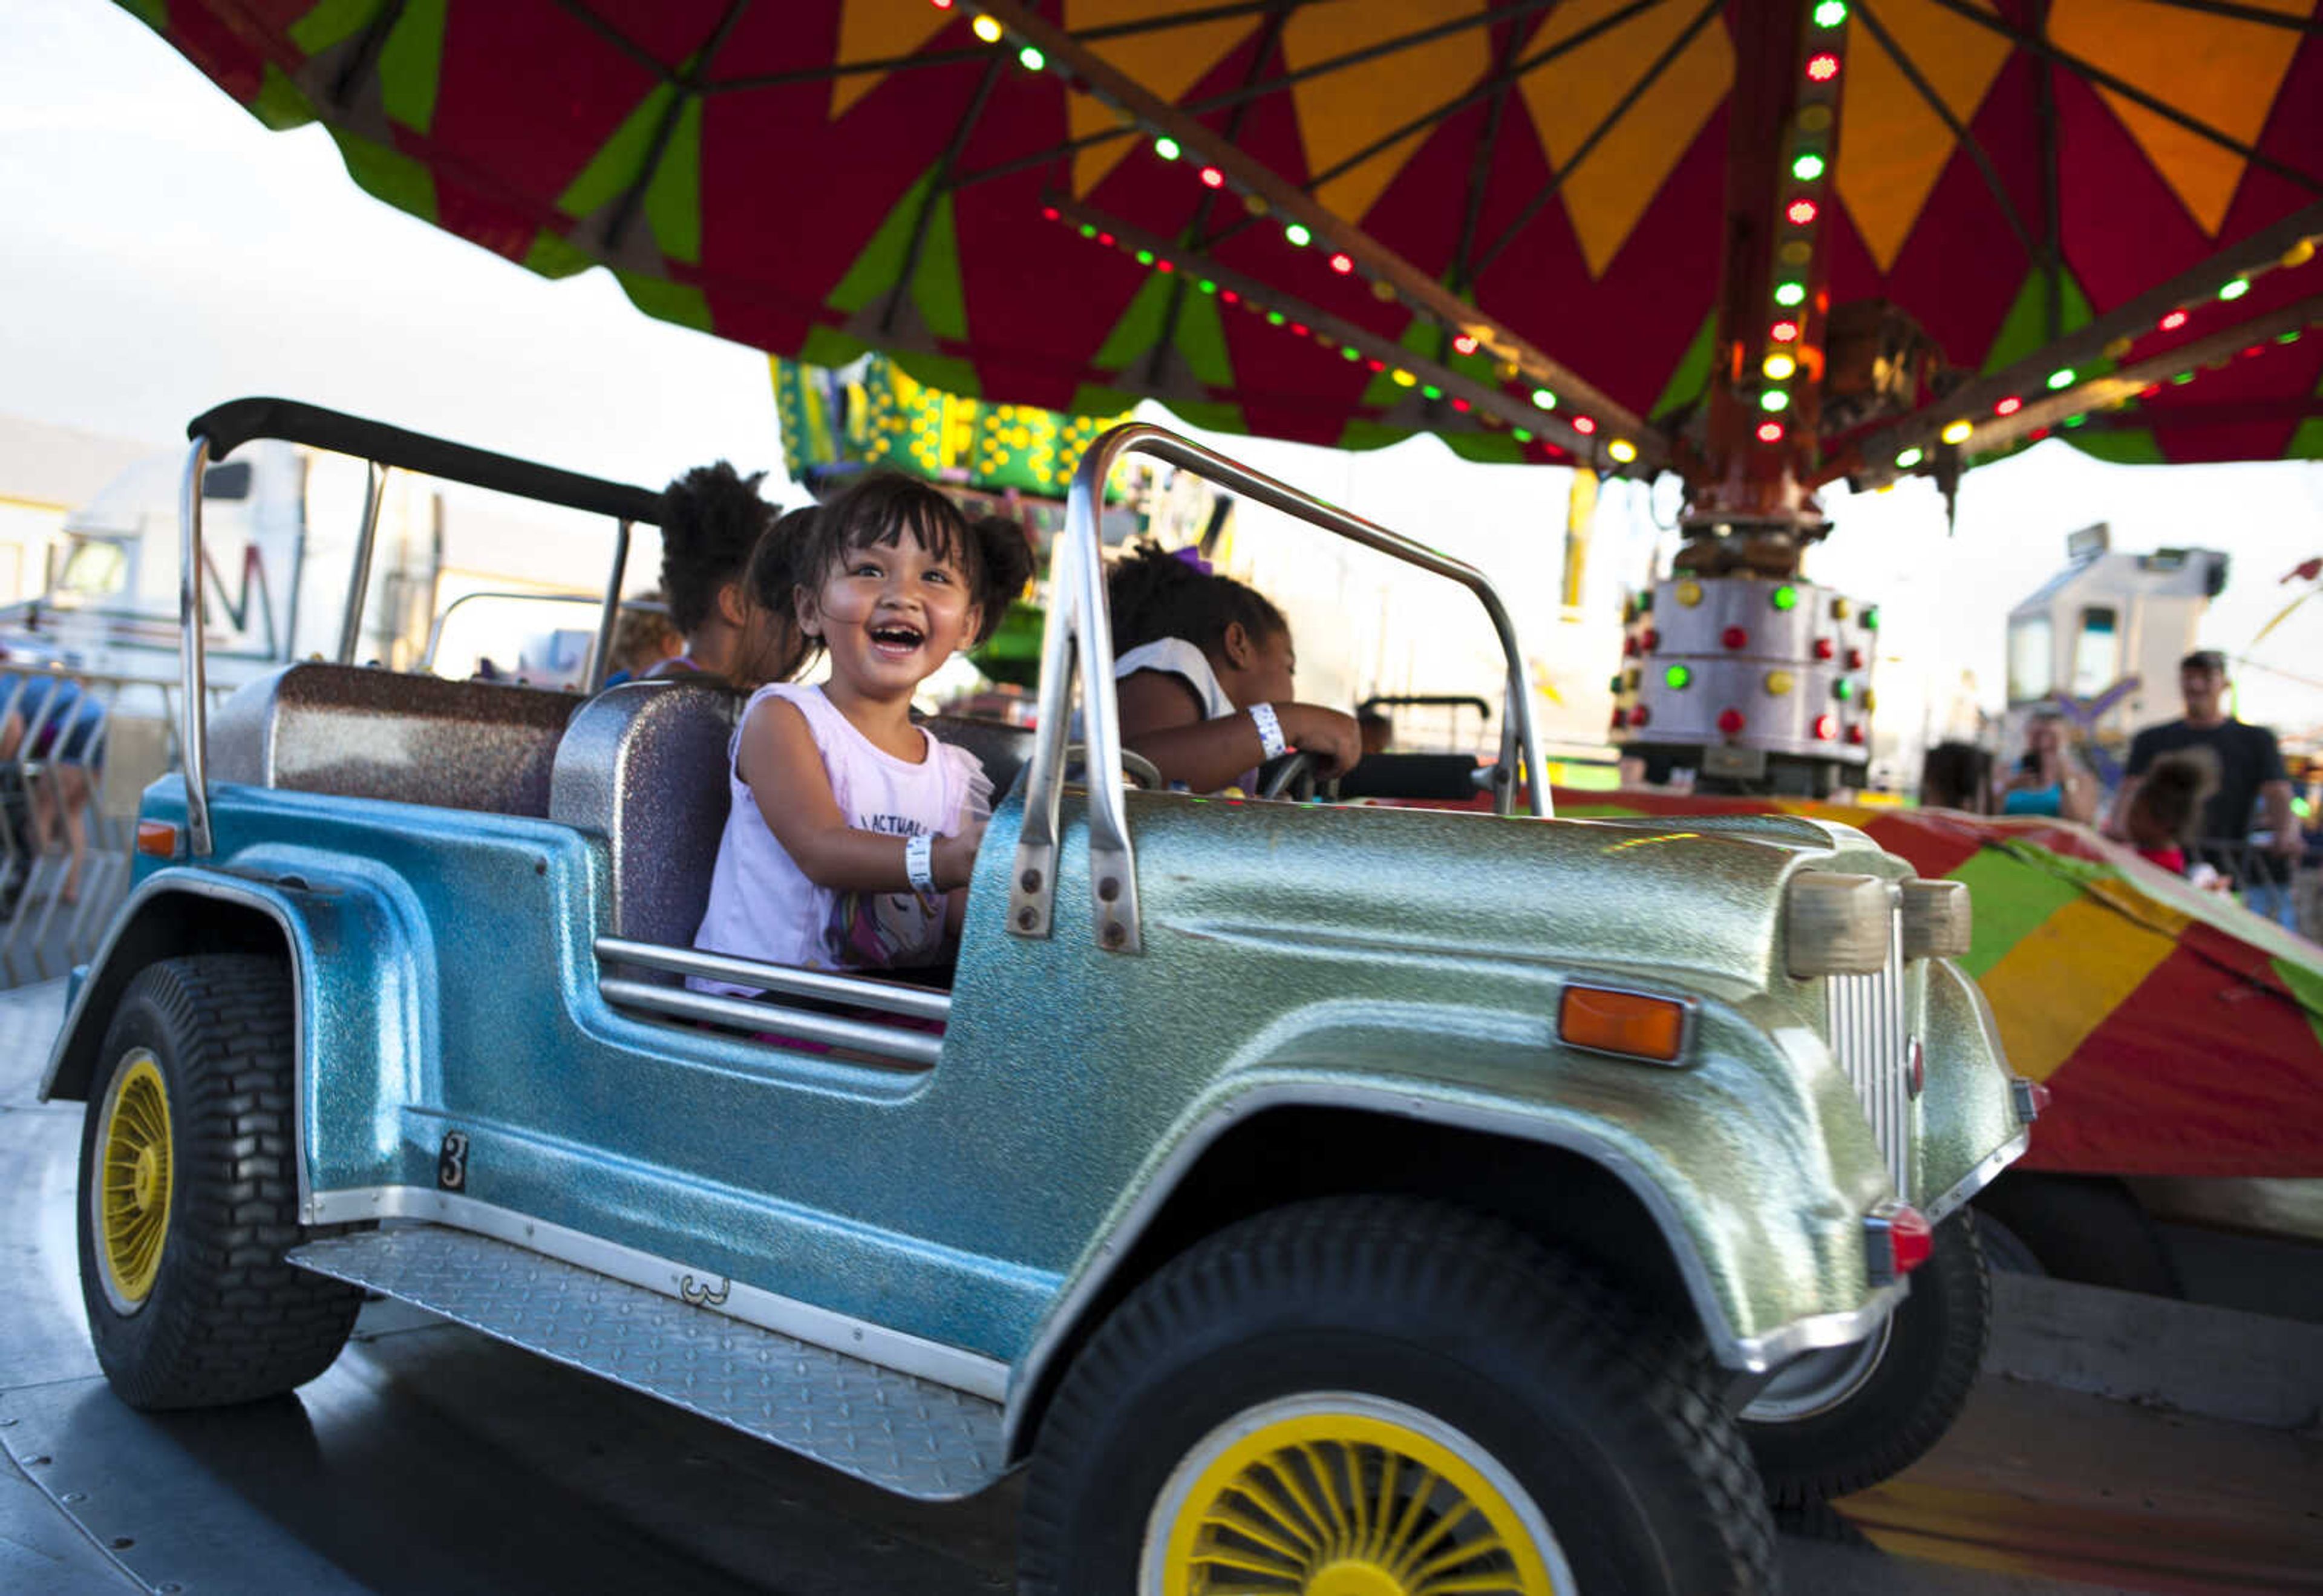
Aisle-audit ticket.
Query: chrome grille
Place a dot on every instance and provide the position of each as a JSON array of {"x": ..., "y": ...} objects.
[{"x": 1871, "y": 1033}]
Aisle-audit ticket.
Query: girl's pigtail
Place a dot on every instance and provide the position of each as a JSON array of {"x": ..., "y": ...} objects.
[{"x": 1005, "y": 564}]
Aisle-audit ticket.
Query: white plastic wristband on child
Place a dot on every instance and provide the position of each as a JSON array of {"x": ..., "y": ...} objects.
[
  {"x": 920, "y": 862},
  {"x": 1270, "y": 731}
]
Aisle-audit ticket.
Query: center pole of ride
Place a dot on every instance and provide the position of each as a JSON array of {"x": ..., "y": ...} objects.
[{"x": 1750, "y": 498}]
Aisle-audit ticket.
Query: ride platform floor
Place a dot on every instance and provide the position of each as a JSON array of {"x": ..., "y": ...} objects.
[{"x": 430, "y": 1459}]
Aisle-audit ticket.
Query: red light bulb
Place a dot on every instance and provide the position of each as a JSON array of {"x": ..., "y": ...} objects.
[
  {"x": 1584, "y": 425},
  {"x": 1212, "y": 178},
  {"x": 1458, "y": 403},
  {"x": 1298, "y": 329},
  {"x": 1343, "y": 264},
  {"x": 1163, "y": 266},
  {"x": 1734, "y": 637},
  {"x": 1770, "y": 432},
  {"x": 1106, "y": 239},
  {"x": 1822, "y": 66},
  {"x": 1629, "y": 647},
  {"x": 1729, "y": 721},
  {"x": 1784, "y": 332},
  {"x": 1049, "y": 213},
  {"x": 1823, "y": 648},
  {"x": 1621, "y": 719},
  {"x": 2172, "y": 322},
  {"x": 1651, "y": 640},
  {"x": 1465, "y": 343},
  {"x": 1855, "y": 734},
  {"x": 1826, "y": 726},
  {"x": 2009, "y": 406},
  {"x": 1800, "y": 211},
  {"x": 1855, "y": 659},
  {"x": 1229, "y": 296},
  {"x": 1640, "y": 715}
]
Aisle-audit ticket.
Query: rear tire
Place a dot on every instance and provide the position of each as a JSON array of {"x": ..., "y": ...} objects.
[
  {"x": 1297, "y": 1370},
  {"x": 189, "y": 1194},
  {"x": 1878, "y": 1414}
]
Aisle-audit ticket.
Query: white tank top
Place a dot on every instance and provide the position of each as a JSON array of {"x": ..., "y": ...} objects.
[{"x": 761, "y": 903}]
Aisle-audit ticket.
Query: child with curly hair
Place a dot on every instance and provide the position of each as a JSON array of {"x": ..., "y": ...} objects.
[
  {"x": 1203, "y": 669},
  {"x": 713, "y": 519}
]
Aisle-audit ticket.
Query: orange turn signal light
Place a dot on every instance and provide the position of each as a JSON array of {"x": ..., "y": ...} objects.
[
  {"x": 1627, "y": 1023},
  {"x": 158, "y": 838}
]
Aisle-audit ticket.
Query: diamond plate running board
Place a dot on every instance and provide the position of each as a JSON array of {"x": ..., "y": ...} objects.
[{"x": 907, "y": 1434}]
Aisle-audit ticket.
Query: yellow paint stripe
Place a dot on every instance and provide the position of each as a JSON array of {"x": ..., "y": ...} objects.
[{"x": 2060, "y": 983}]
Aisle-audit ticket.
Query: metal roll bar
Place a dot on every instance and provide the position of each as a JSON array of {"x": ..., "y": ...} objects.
[
  {"x": 1079, "y": 632},
  {"x": 193, "y": 710},
  {"x": 382, "y": 448}
]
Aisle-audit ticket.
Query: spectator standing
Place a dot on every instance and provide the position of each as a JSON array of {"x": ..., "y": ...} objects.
[
  {"x": 2250, "y": 771},
  {"x": 2049, "y": 780}
]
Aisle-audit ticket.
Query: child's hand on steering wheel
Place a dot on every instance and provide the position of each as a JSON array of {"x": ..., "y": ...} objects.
[{"x": 1330, "y": 736}]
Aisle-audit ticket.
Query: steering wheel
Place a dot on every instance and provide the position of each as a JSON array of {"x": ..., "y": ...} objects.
[
  {"x": 1294, "y": 776},
  {"x": 1140, "y": 771}
]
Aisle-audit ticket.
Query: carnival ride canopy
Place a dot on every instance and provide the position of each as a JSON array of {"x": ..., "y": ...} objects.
[{"x": 1343, "y": 221}]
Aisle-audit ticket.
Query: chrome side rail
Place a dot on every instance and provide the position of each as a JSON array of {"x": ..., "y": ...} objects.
[
  {"x": 887, "y": 996},
  {"x": 193, "y": 710},
  {"x": 1079, "y": 633}
]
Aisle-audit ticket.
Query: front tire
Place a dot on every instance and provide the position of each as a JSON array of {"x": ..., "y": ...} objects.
[
  {"x": 1371, "y": 1394},
  {"x": 188, "y": 1194},
  {"x": 1845, "y": 1420}
]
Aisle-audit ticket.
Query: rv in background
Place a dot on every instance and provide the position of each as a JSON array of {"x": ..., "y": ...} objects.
[
  {"x": 280, "y": 525},
  {"x": 2109, "y": 624}
]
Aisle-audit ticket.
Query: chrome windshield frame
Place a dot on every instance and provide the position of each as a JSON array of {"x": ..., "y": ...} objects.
[{"x": 1078, "y": 639}]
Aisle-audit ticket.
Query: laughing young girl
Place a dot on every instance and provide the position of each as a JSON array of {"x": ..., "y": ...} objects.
[{"x": 850, "y": 824}]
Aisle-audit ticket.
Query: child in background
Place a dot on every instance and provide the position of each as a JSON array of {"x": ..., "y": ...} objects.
[
  {"x": 850, "y": 824},
  {"x": 1203, "y": 670},
  {"x": 711, "y": 521},
  {"x": 2168, "y": 805}
]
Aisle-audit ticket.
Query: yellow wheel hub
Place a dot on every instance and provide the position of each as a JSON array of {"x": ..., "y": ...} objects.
[
  {"x": 134, "y": 1155},
  {"x": 1337, "y": 1494}
]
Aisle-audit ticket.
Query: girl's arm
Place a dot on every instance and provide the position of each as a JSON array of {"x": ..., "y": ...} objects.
[
  {"x": 784, "y": 770},
  {"x": 1160, "y": 720}
]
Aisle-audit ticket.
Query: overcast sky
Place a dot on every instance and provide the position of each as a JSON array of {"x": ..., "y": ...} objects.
[{"x": 162, "y": 252}]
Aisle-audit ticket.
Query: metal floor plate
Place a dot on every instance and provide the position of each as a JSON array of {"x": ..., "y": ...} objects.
[{"x": 907, "y": 1434}]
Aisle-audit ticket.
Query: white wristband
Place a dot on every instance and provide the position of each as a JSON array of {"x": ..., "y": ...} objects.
[
  {"x": 920, "y": 862},
  {"x": 1270, "y": 731}
]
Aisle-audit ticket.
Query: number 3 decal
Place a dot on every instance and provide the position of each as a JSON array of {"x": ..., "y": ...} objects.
[{"x": 451, "y": 1164}]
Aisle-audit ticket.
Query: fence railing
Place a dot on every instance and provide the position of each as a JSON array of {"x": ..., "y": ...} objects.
[
  {"x": 77, "y": 751},
  {"x": 2288, "y": 890}
]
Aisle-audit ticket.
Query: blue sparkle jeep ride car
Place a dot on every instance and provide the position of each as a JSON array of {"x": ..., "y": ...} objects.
[{"x": 1314, "y": 1197}]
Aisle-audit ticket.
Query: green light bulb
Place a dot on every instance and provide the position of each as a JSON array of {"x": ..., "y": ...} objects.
[
  {"x": 2061, "y": 378},
  {"x": 1543, "y": 398},
  {"x": 1299, "y": 236},
  {"x": 1808, "y": 166},
  {"x": 1790, "y": 293},
  {"x": 1677, "y": 678},
  {"x": 1166, "y": 147},
  {"x": 1830, "y": 13},
  {"x": 1908, "y": 458},
  {"x": 1775, "y": 399},
  {"x": 2236, "y": 289},
  {"x": 1785, "y": 597}
]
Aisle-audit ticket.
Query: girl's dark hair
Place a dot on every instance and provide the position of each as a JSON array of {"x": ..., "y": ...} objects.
[
  {"x": 710, "y": 519},
  {"x": 1957, "y": 776},
  {"x": 1007, "y": 566},
  {"x": 1154, "y": 594},
  {"x": 2174, "y": 790},
  {"x": 772, "y": 578},
  {"x": 875, "y": 512}
]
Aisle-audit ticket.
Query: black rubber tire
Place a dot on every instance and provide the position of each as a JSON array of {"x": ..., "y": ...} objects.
[
  {"x": 1607, "y": 1419},
  {"x": 1909, "y": 1400},
  {"x": 226, "y": 1320},
  {"x": 2084, "y": 1228}
]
